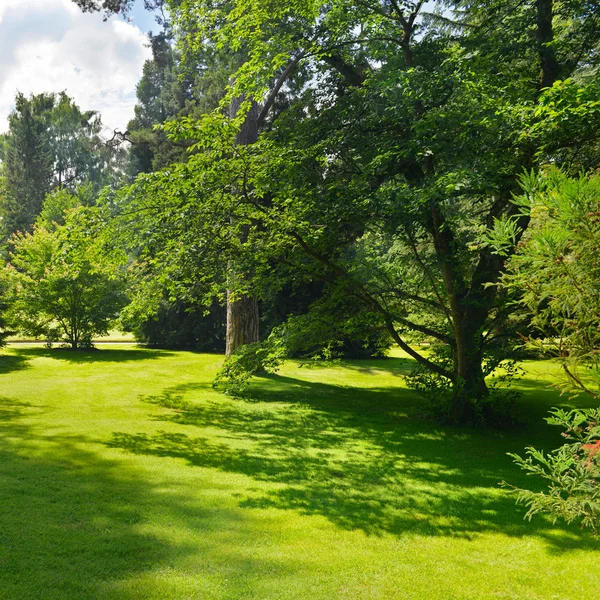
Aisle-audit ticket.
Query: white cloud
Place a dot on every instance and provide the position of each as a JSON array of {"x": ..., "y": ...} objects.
[{"x": 50, "y": 46}]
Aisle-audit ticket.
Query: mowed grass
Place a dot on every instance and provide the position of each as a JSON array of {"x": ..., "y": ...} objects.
[{"x": 124, "y": 475}]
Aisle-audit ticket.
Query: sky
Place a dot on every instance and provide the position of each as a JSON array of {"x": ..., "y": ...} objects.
[{"x": 51, "y": 46}]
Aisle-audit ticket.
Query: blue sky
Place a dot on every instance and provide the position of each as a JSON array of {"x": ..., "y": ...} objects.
[
  {"x": 142, "y": 18},
  {"x": 51, "y": 46}
]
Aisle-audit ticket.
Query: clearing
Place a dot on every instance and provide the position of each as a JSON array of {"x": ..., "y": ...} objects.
[{"x": 124, "y": 475}]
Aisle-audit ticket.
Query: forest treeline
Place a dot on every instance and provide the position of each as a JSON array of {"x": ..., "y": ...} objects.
[{"x": 317, "y": 178}]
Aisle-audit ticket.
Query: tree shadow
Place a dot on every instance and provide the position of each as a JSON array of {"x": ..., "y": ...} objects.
[
  {"x": 363, "y": 458},
  {"x": 12, "y": 362},
  {"x": 541, "y": 397},
  {"x": 75, "y": 525},
  {"x": 95, "y": 355},
  {"x": 398, "y": 367}
]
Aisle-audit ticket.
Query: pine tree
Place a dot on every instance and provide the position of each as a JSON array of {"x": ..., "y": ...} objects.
[{"x": 27, "y": 164}]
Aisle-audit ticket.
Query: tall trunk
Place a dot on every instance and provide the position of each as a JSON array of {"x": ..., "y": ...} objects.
[
  {"x": 545, "y": 38},
  {"x": 242, "y": 314}
]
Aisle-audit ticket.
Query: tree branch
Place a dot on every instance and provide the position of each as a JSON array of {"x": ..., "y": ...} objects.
[
  {"x": 349, "y": 72},
  {"x": 363, "y": 294},
  {"x": 276, "y": 89}
]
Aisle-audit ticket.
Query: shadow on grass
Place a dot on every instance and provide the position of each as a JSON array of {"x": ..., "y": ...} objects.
[
  {"x": 361, "y": 457},
  {"x": 96, "y": 355},
  {"x": 12, "y": 362},
  {"x": 74, "y": 525},
  {"x": 398, "y": 367}
]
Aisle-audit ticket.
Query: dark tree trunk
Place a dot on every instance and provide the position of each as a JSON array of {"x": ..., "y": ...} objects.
[
  {"x": 74, "y": 341},
  {"x": 469, "y": 387},
  {"x": 470, "y": 304},
  {"x": 545, "y": 38},
  {"x": 242, "y": 314}
]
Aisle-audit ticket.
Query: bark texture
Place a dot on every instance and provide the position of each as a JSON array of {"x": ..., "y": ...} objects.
[
  {"x": 545, "y": 38},
  {"x": 242, "y": 313},
  {"x": 242, "y": 323}
]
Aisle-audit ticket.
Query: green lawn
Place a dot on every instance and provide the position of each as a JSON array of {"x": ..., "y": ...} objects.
[{"x": 124, "y": 475}]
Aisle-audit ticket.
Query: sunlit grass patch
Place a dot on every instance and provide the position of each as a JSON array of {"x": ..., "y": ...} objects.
[{"x": 124, "y": 475}]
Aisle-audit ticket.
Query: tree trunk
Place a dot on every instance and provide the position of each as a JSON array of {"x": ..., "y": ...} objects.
[
  {"x": 242, "y": 314},
  {"x": 469, "y": 388},
  {"x": 242, "y": 323},
  {"x": 545, "y": 38}
]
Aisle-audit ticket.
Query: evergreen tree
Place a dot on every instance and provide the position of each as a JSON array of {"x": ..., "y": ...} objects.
[
  {"x": 51, "y": 144},
  {"x": 27, "y": 164},
  {"x": 162, "y": 94}
]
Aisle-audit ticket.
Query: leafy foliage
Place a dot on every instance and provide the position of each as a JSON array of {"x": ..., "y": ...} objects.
[
  {"x": 51, "y": 145},
  {"x": 557, "y": 272},
  {"x": 389, "y": 146},
  {"x": 250, "y": 360},
  {"x": 176, "y": 324},
  {"x": 573, "y": 471},
  {"x": 27, "y": 165},
  {"x": 61, "y": 201},
  {"x": 66, "y": 284}
]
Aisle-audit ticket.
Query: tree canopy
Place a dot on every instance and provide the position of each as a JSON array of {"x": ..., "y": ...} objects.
[
  {"x": 391, "y": 141},
  {"x": 67, "y": 284},
  {"x": 50, "y": 144}
]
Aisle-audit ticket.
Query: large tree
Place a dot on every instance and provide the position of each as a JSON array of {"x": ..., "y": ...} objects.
[
  {"x": 399, "y": 142},
  {"x": 27, "y": 163}
]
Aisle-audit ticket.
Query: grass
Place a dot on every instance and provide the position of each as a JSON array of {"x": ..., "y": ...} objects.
[{"x": 124, "y": 475}]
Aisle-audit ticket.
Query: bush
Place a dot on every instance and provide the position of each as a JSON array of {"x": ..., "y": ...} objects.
[{"x": 179, "y": 325}]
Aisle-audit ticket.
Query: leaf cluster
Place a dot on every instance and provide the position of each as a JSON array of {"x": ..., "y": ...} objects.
[{"x": 571, "y": 471}]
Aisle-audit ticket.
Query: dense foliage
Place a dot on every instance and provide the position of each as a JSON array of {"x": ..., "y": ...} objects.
[
  {"x": 370, "y": 146},
  {"x": 67, "y": 284},
  {"x": 384, "y": 158},
  {"x": 50, "y": 145},
  {"x": 556, "y": 272},
  {"x": 327, "y": 178}
]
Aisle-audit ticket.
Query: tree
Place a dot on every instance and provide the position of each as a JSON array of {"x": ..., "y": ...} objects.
[
  {"x": 573, "y": 471},
  {"x": 168, "y": 318},
  {"x": 242, "y": 310},
  {"x": 61, "y": 201},
  {"x": 68, "y": 284},
  {"x": 555, "y": 273},
  {"x": 163, "y": 93},
  {"x": 398, "y": 141},
  {"x": 27, "y": 164},
  {"x": 4, "y": 330},
  {"x": 74, "y": 143},
  {"x": 51, "y": 144}
]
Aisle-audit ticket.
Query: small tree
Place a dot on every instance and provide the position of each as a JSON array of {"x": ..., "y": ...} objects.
[
  {"x": 573, "y": 472},
  {"x": 67, "y": 284}
]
